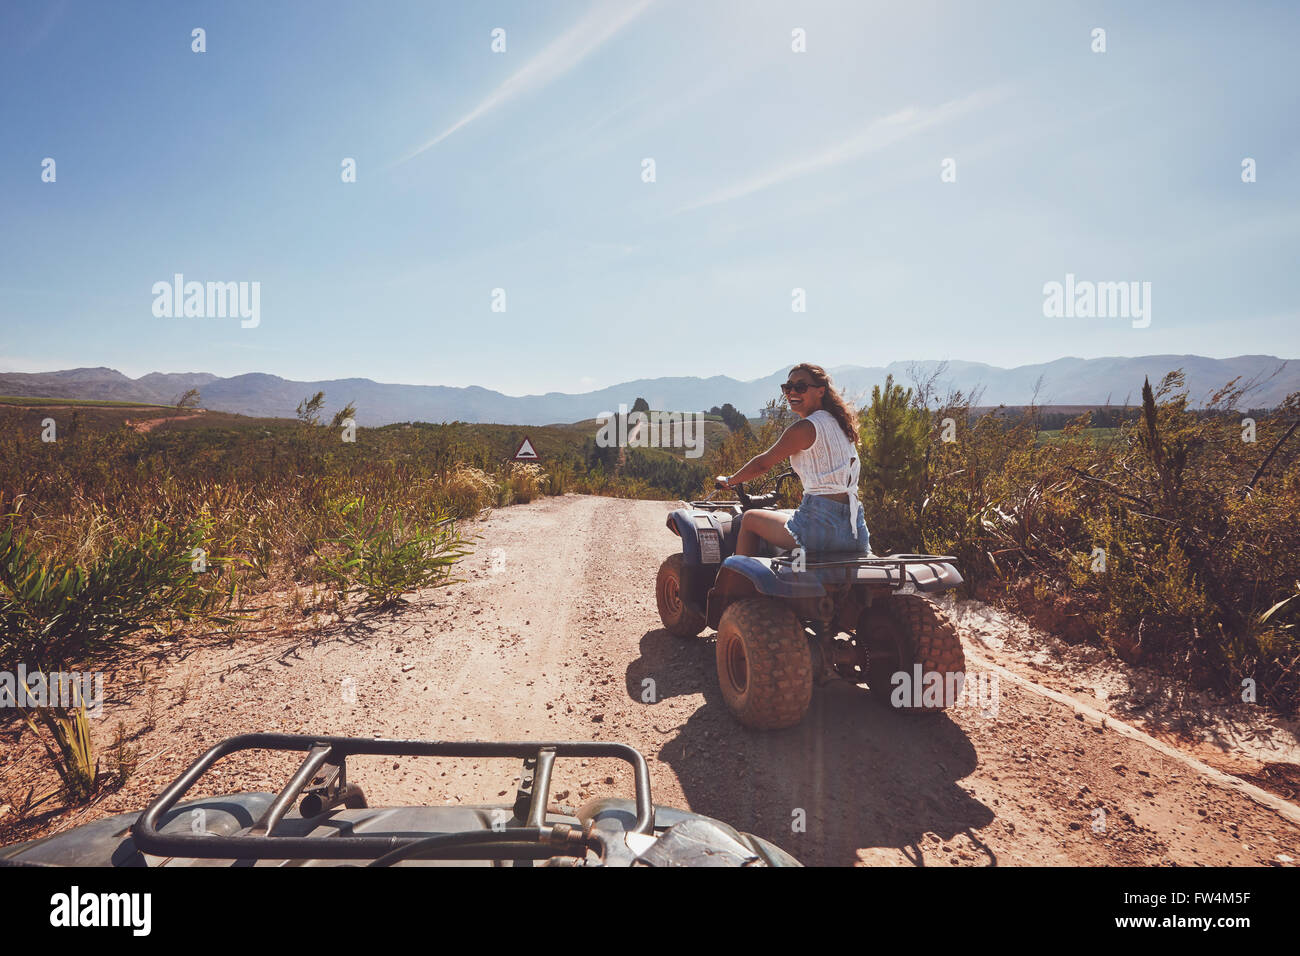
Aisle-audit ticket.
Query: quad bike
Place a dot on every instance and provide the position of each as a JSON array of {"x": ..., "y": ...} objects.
[
  {"x": 786, "y": 620},
  {"x": 333, "y": 825}
]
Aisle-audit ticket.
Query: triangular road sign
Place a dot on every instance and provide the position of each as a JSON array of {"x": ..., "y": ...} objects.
[{"x": 526, "y": 452}]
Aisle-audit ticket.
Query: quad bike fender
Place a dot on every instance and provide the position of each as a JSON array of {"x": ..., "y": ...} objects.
[
  {"x": 743, "y": 576},
  {"x": 703, "y": 536},
  {"x": 109, "y": 842},
  {"x": 769, "y": 583},
  {"x": 745, "y": 848}
]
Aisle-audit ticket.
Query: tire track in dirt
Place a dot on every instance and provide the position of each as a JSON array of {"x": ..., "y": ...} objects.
[{"x": 858, "y": 783}]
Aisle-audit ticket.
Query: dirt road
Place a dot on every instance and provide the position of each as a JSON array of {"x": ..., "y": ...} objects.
[{"x": 554, "y": 634}]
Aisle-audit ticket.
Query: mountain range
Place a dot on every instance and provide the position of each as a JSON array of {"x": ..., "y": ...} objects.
[{"x": 1065, "y": 381}]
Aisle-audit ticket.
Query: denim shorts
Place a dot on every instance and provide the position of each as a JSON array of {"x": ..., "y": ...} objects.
[{"x": 822, "y": 524}]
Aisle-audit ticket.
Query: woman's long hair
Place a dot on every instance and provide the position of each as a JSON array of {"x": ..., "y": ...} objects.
[{"x": 832, "y": 401}]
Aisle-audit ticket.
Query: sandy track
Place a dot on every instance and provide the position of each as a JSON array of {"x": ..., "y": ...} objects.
[
  {"x": 144, "y": 425},
  {"x": 554, "y": 635}
]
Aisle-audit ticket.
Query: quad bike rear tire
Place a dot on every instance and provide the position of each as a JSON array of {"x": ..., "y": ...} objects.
[
  {"x": 678, "y": 617},
  {"x": 765, "y": 666},
  {"x": 919, "y": 634}
]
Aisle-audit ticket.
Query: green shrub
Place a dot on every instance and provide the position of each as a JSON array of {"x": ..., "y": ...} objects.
[
  {"x": 53, "y": 612},
  {"x": 382, "y": 555}
]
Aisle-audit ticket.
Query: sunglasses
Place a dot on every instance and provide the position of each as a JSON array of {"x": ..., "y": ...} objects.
[{"x": 797, "y": 387}]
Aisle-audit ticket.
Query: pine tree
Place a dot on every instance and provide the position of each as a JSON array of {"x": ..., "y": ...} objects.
[{"x": 895, "y": 433}]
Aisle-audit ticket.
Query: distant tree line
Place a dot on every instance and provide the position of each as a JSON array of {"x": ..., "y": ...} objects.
[
  {"x": 731, "y": 416},
  {"x": 734, "y": 420}
]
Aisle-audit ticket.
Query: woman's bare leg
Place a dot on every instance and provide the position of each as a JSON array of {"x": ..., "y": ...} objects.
[{"x": 758, "y": 526}]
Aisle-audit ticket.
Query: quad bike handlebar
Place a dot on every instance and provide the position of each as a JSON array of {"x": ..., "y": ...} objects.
[{"x": 749, "y": 502}]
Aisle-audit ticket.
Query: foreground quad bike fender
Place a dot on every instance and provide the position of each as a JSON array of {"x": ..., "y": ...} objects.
[
  {"x": 908, "y": 638},
  {"x": 678, "y": 617},
  {"x": 764, "y": 664}
]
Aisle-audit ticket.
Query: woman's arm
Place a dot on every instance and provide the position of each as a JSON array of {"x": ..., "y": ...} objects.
[{"x": 798, "y": 437}]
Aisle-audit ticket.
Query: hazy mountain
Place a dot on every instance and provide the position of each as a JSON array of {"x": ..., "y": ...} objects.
[
  {"x": 1074, "y": 381},
  {"x": 170, "y": 386},
  {"x": 1066, "y": 381}
]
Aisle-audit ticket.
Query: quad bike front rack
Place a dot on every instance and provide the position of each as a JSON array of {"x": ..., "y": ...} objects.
[
  {"x": 321, "y": 780},
  {"x": 710, "y": 505}
]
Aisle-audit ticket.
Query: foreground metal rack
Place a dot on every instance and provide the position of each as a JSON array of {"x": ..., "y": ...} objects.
[{"x": 321, "y": 781}]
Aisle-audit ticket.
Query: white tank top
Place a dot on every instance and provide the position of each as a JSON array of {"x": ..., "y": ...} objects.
[{"x": 831, "y": 465}]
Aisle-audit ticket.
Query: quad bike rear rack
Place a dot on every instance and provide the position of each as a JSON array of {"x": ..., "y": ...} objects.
[
  {"x": 895, "y": 565},
  {"x": 321, "y": 781}
]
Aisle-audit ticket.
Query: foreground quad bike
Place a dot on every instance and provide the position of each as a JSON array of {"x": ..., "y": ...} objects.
[
  {"x": 332, "y": 824},
  {"x": 786, "y": 621}
]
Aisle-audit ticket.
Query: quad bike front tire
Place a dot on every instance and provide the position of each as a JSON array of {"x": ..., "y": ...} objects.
[
  {"x": 678, "y": 617},
  {"x": 765, "y": 666},
  {"x": 918, "y": 634}
]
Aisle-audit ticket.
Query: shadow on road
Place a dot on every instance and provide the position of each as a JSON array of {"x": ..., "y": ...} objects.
[{"x": 854, "y": 773}]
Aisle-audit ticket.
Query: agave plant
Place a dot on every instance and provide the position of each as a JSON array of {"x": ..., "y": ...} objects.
[
  {"x": 53, "y": 612},
  {"x": 387, "y": 556},
  {"x": 73, "y": 753}
]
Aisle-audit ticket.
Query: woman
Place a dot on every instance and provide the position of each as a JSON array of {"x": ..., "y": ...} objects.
[{"x": 822, "y": 448}]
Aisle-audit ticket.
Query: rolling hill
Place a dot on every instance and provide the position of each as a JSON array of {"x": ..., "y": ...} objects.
[{"x": 1065, "y": 381}]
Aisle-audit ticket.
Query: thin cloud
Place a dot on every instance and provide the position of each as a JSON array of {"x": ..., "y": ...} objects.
[
  {"x": 878, "y": 135},
  {"x": 561, "y": 55}
]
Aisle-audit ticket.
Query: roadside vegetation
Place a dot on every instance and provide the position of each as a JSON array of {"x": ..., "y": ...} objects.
[
  {"x": 1166, "y": 533},
  {"x": 113, "y": 535},
  {"x": 113, "y": 538},
  {"x": 1169, "y": 535}
]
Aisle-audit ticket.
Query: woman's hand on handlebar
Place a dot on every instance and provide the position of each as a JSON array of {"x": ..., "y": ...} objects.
[{"x": 722, "y": 481}]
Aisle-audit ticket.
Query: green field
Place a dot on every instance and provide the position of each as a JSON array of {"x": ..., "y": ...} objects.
[
  {"x": 89, "y": 402},
  {"x": 1095, "y": 435}
]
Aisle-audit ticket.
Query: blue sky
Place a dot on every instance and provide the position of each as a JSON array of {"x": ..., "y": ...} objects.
[{"x": 522, "y": 170}]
